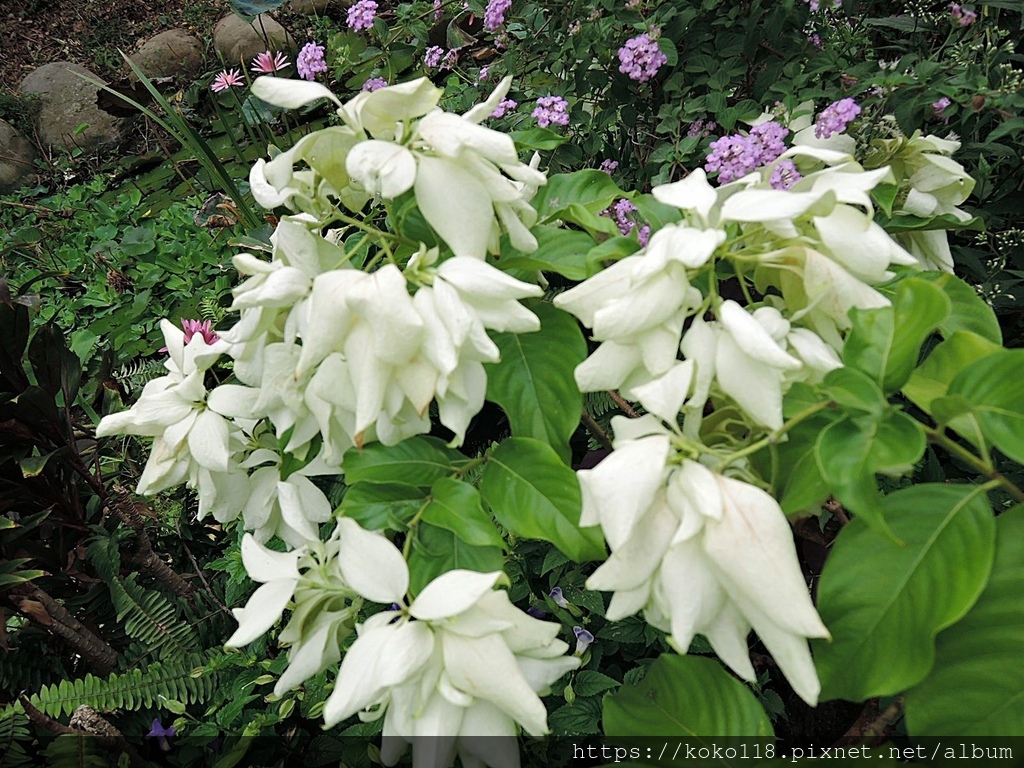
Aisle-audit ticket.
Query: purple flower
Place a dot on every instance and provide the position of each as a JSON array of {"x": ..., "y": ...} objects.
[
  {"x": 375, "y": 84},
  {"x": 494, "y": 15},
  {"x": 483, "y": 74},
  {"x": 733, "y": 157},
  {"x": 267, "y": 63},
  {"x": 608, "y": 166},
  {"x": 537, "y": 613},
  {"x": 583, "y": 640},
  {"x": 451, "y": 58},
  {"x": 558, "y": 598},
  {"x": 643, "y": 235},
  {"x": 640, "y": 58},
  {"x": 835, "y": 118},
  {"x": 310, "y": 61},
  {"x": 941, "y": 105},
  {"x": 816, "y": 41},
  {"x": 229, "y": 78},
  {"x": 551, "y": 109},
  {"x": 784, "y": 175},
  {"x": 701, "y": 128},
  {"x": 433, "y": 56},
  {"x": 964, "y": 17},
  {"x": 768, "y": 139},
  {"x": 161, "y": 735},
  {"x": 360, "y": 15},
  {"x": 506, "y": 105},
  {"x": 619, "y": 211},
  {"x": 438, "y": 12}
]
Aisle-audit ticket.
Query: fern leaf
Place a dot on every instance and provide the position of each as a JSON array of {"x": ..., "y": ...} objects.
[
  {"x": 151, "y": 618},
  {"x": 13, "y": 733}
]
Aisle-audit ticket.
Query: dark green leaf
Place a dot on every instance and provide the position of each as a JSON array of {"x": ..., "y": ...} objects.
[
  {"x": 558, "y": 250},
  {"x": 992, "y": 388},
  {"x": 968, "y": 311},
  {"x": 436, "y": 551},
  {"x": 376, "y": 506},
  {"x": 417, "y": 461},
  {"x": 455, "y": 506},
  {"x": 957, "y": 353}
]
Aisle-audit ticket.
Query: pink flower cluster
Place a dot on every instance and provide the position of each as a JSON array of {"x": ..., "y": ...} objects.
[
  {"x": 733, "y": 157},
  {"x": 229, "y": 78},
  {"x": 506, "y": 105},
  {"x": 640, "y": 58},
  {"x": 267, "y": 63},
  {"x": 963, "y": 17},
  {"x": 620, "y": 212},
  {"x": 310, "y": 61},
  {"x": 375, "y": 84},
  {"x": 608, "y": 166},
  {"x": 835, "y": 118},
  {"x": 784, "y": 175},
  {"x": 551, "y": 109},
  {"x": 494, "y": 15},
  {"x": 361, "y": 15}
]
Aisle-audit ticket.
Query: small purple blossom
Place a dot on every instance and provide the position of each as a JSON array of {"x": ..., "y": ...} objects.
[
  {"x": 494, "y": 15},
  {"x": 310, "y": 61},
  {"x": 784, "y": 175},
  {"x": 700, "y": 128},
  {"x": 551, "y": 109},
  {"x": 643, "y": 235},
  {"x": 941, "y": 105},
  {"x": 575, "y": 27},
  {"x": 835, "y": 118},
  {"x": 815, "y": 39},
  {"x": 433, "y": 56},
  {"x": 583, "y": 640},
  {"x": 961, "y": 16},
  {"x": 619, "y": 211},
  {"x": 267, "y": 63},
  {"x": 506, "y": 105},
  {"x": 229, "y": 78},
  {"x": 451, "y": 58},
  {"x": 483, "y": 74},
  {"x": 204, "y": 328},
  {"x": 640, "y": 58},
  {"x": 733, "y": 157},
  {"x": 360, "y": 15},
  {"x": 608, "y": 166},
  {"x": 558, "y": 598},
  {"x": 438, "y": 11},
  {"x": 768, "y": 139},
  {"x": 375, "y": 84},
  {"x": 537, "y": 613},
  {"x": 161, "y": 735}
]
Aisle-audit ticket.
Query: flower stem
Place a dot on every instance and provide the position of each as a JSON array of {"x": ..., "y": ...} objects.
[
  {"x": 952, "y": 447},
  {"x": 773, "y": 437}
]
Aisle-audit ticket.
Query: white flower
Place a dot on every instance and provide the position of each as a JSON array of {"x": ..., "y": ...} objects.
[
  {"x": 460, "y": 661},
  {"x": 700, "y": 553}
]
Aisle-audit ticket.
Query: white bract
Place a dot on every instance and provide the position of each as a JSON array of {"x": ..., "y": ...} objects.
[{"x": 699, "y": 553}]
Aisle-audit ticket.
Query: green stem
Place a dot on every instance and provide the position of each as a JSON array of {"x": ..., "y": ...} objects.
[
  {"x": 773, "y": 437},
  {"x": 984, "y": 467},
  {"x": 410, "y": 533}
]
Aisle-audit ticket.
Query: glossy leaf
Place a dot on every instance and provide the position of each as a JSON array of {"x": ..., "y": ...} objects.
[
  {"x": 884, "y": 603},
  {"x": 536, "y": 496},
  {"x": 591, "y": 188},
  {"x": 853, "y": 389},
  {"x": 436, "y": 551},
  {"x": 377, "y": 506},
  {"x": 932, "y": 378},
  {"x": 418, "y": 461},
  {"x": 968, "y": 311},
  {"x": 534, "y": 381},
  {"x": 558, "y": 250},
  {"x": 976, "y": 685},
  {"x": 455, "y": 506},
  {"x": 250, "y": 9},
  {"x": 992, "y": 388},
  {"x": 685, "y": 696},
  {"x": 884, "y": 343}
]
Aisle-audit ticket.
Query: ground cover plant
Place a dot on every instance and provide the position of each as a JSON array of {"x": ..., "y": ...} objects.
[{"x": 586, "y": 369}]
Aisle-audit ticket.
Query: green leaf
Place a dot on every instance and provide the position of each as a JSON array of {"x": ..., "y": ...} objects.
[
  {"x": 884, "y": 603},
  {"x": 968, "y": 311},
  {"x": 57, "y": 369},
  {"x": 558, "y": 250},
  {"x": 992, "y": 387},
  {"x": 417, "y": 461},
  {"x": 688, "y": 696},
  {"x": 884, "y": 343},
  {"x": 590, "y": 683},
  {"x": 976, "y": 687},
  {"x": 536, "y": 138},
  {"x": 592, "y": 188},
  {"x": 957, "y": 353},
  {"x": 533, "y": 382},
  {"x": 884, "y": 195},
  {"x": 436, "y": 551},
  {"x": 377, "y": 506},
  {"x": 534, "y": 495},
  {"x": 32, "y": 466},
  {"x": 855, "y": 390},
  {"x": 455, "y": 506},
  {"x": 851, "y": 451},
  {"x": 905, "y": 222},
  {"x": 250, "y": 9}
]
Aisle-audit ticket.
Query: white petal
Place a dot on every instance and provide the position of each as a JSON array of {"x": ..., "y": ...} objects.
[
  {"x": 693, "y": 193},
  {"x": 208, "y": 441},
  {"x": 451, "y": 593},
  {"x": 455, "y": 204},
  {"x": 381, "y": 168},
  {"x": 371, "y": 564},
  {"x": 267, "y": 565},
  {"x": 753, "y": 338},
  {"x": 262, "y": 610},
  {"x": 664, "y": 395},
  {"x": 290, "y": 94}
]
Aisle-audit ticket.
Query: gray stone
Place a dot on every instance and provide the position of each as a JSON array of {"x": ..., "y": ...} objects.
[
  {"x": 308, "y": 7},
  {"x": 238, "y": 42},
  {"x": 67, "y": 101},
  {"x": 16, "y": 156},
  {"x": 172, "y": 53}
]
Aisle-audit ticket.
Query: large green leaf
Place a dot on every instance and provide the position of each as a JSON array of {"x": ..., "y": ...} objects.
[
  {"x": 534, "y": 381},
  {"x": 455, "y": 506},
  {"x": 377, "y": 506},
  {"x": 992, "y": 389},
  {"x": 558, "y": 250},
  {"x": 437, "y": 550},
  {"x": 851, "y": 451},
  {"x": 969, "y": 312},
  {"x": 533, "y": 494},
  {"x": 957, "y": 353},
  {"x": 689, "y": 697},
  {"x": 884, "y": 603},
  {"x": 976, "y": 687},
  {"x": 590, "y": 188},
  {"x": 884, "y": 343},
  {"x": 418, "y": 461}
]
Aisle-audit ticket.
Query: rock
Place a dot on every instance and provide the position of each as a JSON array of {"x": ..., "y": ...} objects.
[
  {"x": 308, "y": 7},
  {"x": 67, "y": 101},
  {"x": 170, "y": 54},
  {"x": 238, "y": 42},
  {"x": 16, "y": 157}
]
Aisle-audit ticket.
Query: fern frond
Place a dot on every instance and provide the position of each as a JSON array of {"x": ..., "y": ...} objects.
[
  {"x": 598, "y": 403},
  {"x": 27, "y": 668},
  {"x": 135, "y": 375},
  {"x": 77, "y": 750},
  {"x": 210, "y": 309},
  {"x": 13, "y": 733},
  {"x": 151, "y": 618},
  {"x": 182, "y": 679}
]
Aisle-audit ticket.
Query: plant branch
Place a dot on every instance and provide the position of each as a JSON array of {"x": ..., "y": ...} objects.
[
  {"x": 625, "y": 407},
  {"x": 939, "y": 437},
  {"x": 773, "y": 437},
  {"x": 595, "y": 429}
]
